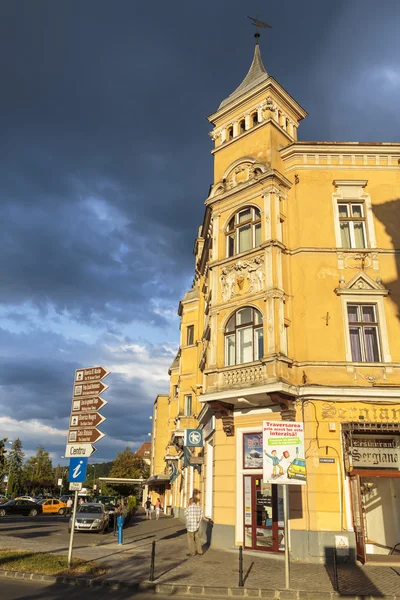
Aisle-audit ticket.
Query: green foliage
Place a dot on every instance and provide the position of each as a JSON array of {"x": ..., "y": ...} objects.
[
  {"x": 126, "y": 466},
  {"x": 3, "y": 451},
  {"x": 14, "y": 463},
  {"x": 37, "y": 474},
  {"x": 132, "y": 502}
]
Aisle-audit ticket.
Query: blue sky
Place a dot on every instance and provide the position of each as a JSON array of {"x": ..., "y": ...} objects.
[{"x": 105, "y": 166}]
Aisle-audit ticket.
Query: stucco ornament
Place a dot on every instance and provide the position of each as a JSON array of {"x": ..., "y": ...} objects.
[{"x": 245, "y": 276}]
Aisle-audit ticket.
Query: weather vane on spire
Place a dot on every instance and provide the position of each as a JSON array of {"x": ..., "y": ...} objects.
[{"x": 259, "y": 24}]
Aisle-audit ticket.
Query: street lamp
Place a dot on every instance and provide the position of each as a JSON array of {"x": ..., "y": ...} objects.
[{"x": 94, "y": 474}]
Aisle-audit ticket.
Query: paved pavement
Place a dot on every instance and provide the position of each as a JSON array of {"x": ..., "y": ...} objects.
[{"x": 217, "y": 568}]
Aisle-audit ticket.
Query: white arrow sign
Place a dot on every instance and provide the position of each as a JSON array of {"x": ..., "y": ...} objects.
[{"x": 76, "y": 450}]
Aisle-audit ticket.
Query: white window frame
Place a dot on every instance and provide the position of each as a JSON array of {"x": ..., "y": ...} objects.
[
  {"x": 349, "y": 204},
  {"x": 187, "y": 413},
  {"x": 349, "y": 190},
  {"x": 361, "y": 325},
  {"x": 253, "y": 224},
  {"x": 234, "y": 333},
  {"x": 361, "y": 289}
]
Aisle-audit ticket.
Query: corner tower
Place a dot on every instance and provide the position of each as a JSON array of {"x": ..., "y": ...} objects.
[{"x": 257, "y": 120}]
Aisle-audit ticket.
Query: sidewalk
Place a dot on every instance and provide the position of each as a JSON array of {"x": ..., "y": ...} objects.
[
  {"x": 216, "y": 572},
  {"x": 219, "y": 568}
]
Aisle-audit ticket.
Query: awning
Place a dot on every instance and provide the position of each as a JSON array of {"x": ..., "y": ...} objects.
[{"x": 158, "y": 479}]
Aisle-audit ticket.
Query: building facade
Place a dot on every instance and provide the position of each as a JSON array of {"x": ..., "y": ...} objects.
[{"x": 293, "y": 315}]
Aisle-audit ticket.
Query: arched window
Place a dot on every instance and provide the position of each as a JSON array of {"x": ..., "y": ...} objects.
[
  {"x": 229, "y": 133},
  {"x": 242, "y": 126},
  {"x": 244, "y": 231},
  {"x": 244, "y": 339},
  {"x": 254, "y": 119}
]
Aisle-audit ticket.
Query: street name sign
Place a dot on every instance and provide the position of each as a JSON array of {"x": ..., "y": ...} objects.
[
  {"x": 91, "y": 374},
  {"x": 85, "y": 435},
  {"x": 82, "y": 450},
  {"x": 82, "y": 390},
  {"x": 88, "y": 404},
  {"x": 91, "y": 419},
  {"x": 75, "y": 486}
]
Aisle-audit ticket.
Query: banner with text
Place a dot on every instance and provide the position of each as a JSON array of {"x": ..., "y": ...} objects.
[{"x": 283, "y": 452}]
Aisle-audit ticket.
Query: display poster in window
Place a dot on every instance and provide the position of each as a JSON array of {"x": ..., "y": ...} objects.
[
  {"x": 247, "y": 500},
  {"x": 283, "y": 453},
  {"x": 252, "y": 451}
]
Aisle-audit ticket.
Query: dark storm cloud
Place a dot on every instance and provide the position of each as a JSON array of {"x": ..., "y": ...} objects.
[{"x": 105, "y": 164}]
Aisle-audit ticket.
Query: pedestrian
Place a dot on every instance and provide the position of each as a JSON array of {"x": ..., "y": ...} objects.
[
  {"x": 158, "y": 508},
  {"x": 147, "y": 506},
  {"x": 69, "y": 506},
  {"x": 151, "y": 509},
  {"x": 194, "y": 516}
]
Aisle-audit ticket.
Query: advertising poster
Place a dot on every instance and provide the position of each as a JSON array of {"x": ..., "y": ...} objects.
[
  {"x": 252, "y": 450},
  {"x": 283, "y": 452}
]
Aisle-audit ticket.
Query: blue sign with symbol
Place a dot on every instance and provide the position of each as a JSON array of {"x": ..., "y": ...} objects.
[
  {"x": 194, "y": 438},
  {"x": 77, "y": 469}
]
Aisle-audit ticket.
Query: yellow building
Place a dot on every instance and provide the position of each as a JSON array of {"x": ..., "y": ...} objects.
[{"x": 293, "y": 315}]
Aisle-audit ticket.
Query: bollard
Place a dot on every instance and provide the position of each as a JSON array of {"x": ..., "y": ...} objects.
[
  {"x": 241, "y": 582},
  {"x": 120, "y": 524},
  {"x": 153, "y": 556},
  {"x": 335, "y": 572}
]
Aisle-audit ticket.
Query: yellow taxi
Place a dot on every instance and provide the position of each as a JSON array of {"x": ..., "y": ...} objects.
[
  {"x": 53, "y": 506},
  {"x": 297, "y": 469}
]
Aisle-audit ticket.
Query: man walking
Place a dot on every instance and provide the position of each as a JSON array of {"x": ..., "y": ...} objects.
[
  {"x": 194, "y": 516},
  {"x": 147, "y": 506}
]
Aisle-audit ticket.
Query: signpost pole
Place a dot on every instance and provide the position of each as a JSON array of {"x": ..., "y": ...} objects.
[
  {"x": 286, "y": 525},
  {"x": 71, "y": 539}
]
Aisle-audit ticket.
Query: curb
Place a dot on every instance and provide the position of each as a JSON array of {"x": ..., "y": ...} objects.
[{"x": 172, "y": 589}]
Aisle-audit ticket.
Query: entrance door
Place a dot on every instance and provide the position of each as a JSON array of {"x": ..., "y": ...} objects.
[
  {"x": 358, "y": 517},
  {"x": 263, "y": 515}
]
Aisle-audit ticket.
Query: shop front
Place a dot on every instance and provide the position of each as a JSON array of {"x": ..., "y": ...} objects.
[
  {"x": 373, "y": 461},
  {"x": 263, "y": 515}
]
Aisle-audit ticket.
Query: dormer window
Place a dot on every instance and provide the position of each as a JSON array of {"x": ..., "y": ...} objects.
[
  {"x": 254, "y": 119},
  {"x": 244, "y": 231},
  {"x": 229, "y": 133},
  {"x": 242, "y": 126}
]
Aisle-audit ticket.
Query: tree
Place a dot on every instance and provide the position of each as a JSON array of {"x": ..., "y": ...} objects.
[
  {"x": 38, "y": 471},
  {"x": 126, "y": 465},
  {"x": 2, "y": 459},
  {"x": 15, "y": 461}
]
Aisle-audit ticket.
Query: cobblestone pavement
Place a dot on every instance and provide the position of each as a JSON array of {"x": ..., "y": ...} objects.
[{"x": 217, "y": 568}]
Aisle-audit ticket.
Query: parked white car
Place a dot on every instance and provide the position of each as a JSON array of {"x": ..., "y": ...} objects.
[{"x": 90, "y": 516}]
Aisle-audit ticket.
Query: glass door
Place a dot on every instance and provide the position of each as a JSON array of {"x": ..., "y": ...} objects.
[{"x": 263, "y": 518}]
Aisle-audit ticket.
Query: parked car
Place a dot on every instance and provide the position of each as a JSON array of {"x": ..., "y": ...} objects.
[
  {"x": 53, "y": 506},
  {"x": 31, "y": 498},
  {"x": 3, "y": 499},
  {"x": 90, "y": 516},
  {"x": 20, "y": 507}
]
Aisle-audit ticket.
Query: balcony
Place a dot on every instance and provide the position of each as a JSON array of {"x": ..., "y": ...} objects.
[{"x": 237, "y": 377}]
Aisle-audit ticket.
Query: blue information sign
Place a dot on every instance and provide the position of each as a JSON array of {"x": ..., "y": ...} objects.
[
  {"x": 77, "y": 469},
  {"x": 193, "y": 438}
]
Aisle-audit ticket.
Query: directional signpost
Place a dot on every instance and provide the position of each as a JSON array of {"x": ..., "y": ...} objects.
[{"x": 83, "y": 432}]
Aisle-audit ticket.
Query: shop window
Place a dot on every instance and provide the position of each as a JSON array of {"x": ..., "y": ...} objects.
[
  {"x": 244, "y": 231},
  {"x": 187, "y": 411},
  {"x": 352, "y": 225},
  {"x": 190, "y": 335},
  {"x": 244, "y": 338},
  {"x": 364, "y": 332}
]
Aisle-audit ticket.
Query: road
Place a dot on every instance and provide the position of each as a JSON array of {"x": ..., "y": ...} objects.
[
  {"x": 47, "y": 528},
  {"x": 32, "y": 590}
]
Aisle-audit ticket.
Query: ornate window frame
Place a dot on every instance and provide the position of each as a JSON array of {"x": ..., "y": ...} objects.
[{"x": 361, "y": 289}]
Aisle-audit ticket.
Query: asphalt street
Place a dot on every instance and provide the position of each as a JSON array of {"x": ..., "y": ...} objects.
[
  {"x": 46, "y": 528},
  {"x": 32, "y": 590}
]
